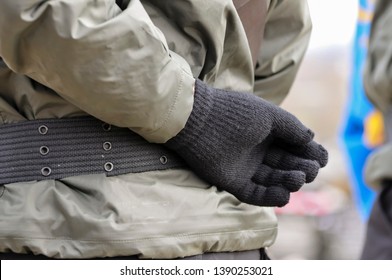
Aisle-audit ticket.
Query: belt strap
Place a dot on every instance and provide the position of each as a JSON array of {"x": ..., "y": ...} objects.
[{"x": 59, "y": 148}]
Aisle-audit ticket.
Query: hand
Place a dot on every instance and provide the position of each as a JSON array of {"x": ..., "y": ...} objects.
[{"x": 247, "y": 146}]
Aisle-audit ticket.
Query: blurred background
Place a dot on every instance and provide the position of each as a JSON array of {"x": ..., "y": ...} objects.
[{"x": 327, "y": 219}]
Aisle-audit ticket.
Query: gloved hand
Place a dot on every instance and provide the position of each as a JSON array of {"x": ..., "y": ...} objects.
[{"x": 247, "y": 146}]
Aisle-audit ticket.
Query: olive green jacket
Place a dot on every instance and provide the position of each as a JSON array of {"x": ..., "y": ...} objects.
[
  {"x": 378, "y": 87},
  {"x": 135, "y": 68}
]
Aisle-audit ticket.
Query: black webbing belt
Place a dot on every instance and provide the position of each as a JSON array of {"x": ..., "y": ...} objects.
[{"x": 60, "y": 148}]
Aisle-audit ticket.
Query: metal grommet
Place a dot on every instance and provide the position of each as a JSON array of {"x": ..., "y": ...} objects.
[
  {"x": 107, "y": 146},
  {"x": 43, "y": 129},
  {"x": 108, "y": 166},
  {"x": 106, "y": 126},
  {"x": 46, "y": 171},
  {"x": 163, "y": 159},
  {"x": 44, "y": 150}
]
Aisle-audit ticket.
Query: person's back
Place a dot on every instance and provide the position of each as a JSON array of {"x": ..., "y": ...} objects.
[{"x": 70, "y": 60}]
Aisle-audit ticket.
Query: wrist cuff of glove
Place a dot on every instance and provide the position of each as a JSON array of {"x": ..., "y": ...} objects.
[
  {"x": 199, "y": 117},
  {"x": 210, "y": 124}
]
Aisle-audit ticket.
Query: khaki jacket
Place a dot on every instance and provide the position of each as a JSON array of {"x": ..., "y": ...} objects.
[
  {"x": 378, "y": 87},
  {"x": 135, "y": 67}
]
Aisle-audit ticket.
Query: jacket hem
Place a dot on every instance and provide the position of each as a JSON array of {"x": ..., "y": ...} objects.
[{"x": 160, "y": 247}]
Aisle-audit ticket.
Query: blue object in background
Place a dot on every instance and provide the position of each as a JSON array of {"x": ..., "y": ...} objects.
[{"x": 358, "y": 108}]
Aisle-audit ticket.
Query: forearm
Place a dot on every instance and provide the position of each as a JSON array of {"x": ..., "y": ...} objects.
[{"x": 113, "y": 64}]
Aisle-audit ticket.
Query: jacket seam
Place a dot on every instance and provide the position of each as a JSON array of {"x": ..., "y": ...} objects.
[
  {"x": 175, "y": 102},
  {"x": 120, "y": 241}
]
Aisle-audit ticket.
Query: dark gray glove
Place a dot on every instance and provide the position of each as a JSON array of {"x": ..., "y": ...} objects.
[{"x": 247, "y": 146}]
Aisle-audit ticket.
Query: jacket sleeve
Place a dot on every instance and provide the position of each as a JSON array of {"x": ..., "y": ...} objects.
[
  {"x": 378, "y": 71},
  {"x": 114, "y": 64},
  {"x": 377, "y": 80},
  {"x": 286, "y": 38}
]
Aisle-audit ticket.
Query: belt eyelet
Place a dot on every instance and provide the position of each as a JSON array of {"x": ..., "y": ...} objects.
[
  {"x": 106, "y": 127},
  {"x": 44, "y": 150},
  {"x": 107, "y": 146},
  {"x": 163, "y": 159},
  {"x": 46, "y": 171},
  {"x": 108, "y": 166},
  {"x": 43, "y": 129}
]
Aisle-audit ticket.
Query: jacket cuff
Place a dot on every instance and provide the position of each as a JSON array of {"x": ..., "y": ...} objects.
[{"x": 174, "y": 120}]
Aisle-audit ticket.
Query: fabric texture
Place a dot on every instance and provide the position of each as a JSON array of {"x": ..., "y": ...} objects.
[{"x": 239, "y": 142}]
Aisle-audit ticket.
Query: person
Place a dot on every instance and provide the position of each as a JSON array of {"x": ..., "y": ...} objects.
[
  {"x": 377, "y": 82},
  {"x": 129, "y": 127}
]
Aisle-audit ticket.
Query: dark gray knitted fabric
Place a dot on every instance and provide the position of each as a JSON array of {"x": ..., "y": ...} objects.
[{"x": 247, "y": 146}]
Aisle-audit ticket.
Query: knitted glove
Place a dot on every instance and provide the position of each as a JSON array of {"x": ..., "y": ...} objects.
[{"x": 247, "y": 146}]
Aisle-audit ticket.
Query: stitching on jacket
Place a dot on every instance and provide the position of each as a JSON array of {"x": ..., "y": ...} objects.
[
  {"x": 136, "y": 240},
  {"x": 175, "y": 102}
]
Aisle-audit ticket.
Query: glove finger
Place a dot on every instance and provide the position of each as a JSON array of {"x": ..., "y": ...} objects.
[
  {"x": 290, "y": 130},
  {"x": 280, "y": 159},
  {"x": 252, "y": 193},
  {"x": 311, "y": 151},
  {"x": 276, "y": 196},
  {"x": 292, "y": 180}
]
